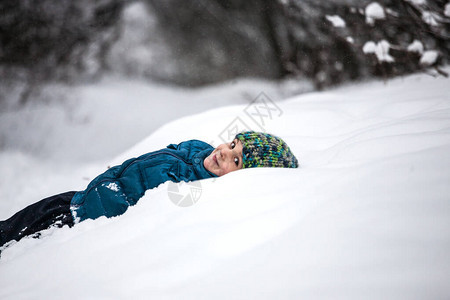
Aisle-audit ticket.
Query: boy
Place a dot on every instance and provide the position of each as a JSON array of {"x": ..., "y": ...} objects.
[{"x": 111, "y": 193}]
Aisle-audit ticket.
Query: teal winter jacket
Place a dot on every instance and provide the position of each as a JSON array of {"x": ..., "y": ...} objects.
[{"x": 111, "y": 193}]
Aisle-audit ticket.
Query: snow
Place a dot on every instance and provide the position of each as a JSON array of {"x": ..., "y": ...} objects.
[
  {"x": 113, "y": 187},
  {"x": 418, "y": 2},
  {"x": 380, "y": 49},
  {"x": 416, "y": 46},
  {"x": 367, "y": 216},
  {"x": 336, "y": 21},
  {"x": 374, "y": 11},
  {"x": 369, "y": 47},
  {"x": 89, "y": 115},
  {"x": 392, "y": 12},
  {"x": 429, "y": 57},
  {"x": 77, "y": 129},
  {"x": 447, "y": 10},
  {"x": 431, "y": 18}
]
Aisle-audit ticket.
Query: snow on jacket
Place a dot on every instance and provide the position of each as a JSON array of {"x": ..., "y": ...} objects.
[{"x": 111, "y": 193}]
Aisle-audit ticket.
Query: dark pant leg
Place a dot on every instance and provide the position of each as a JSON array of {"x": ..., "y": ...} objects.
[{"x": 41, "y": 215}]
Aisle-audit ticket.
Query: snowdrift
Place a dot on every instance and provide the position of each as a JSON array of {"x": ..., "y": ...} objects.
[{"x": 366, "y": 216}]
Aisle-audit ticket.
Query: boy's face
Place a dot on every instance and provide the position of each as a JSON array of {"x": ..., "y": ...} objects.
[{"x": 225, "y": 158}]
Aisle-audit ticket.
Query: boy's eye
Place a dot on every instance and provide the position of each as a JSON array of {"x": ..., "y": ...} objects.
[
  {"x": 236, "y": 161},
  {"x": 232, "y": 145}
]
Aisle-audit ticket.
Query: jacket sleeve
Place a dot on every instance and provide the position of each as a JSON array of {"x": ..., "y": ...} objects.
[{"x": 104, "y": 196}]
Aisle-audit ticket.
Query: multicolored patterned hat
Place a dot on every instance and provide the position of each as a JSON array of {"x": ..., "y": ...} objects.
[{"x": 265, "y": 150}]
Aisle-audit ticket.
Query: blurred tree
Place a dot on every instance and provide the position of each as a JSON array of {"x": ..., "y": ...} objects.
[
  {"x": 206, "y": 41},
  {"x": 214, "y": 40},
  {"x": 49, "y": 39},
  {"x": 331, "y": 52}
]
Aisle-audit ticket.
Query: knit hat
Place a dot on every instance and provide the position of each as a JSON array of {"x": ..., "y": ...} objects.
[{"x": 265, "y": 150}]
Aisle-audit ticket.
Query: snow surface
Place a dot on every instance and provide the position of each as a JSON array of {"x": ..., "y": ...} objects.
[
  {"x": 367, "y": 216},
  {"x": 76, "y": 131},
  {"x": 98, "y": 115}
]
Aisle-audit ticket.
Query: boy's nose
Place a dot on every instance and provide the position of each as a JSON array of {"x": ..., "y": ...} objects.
[{"x": 225, "y": 151}]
